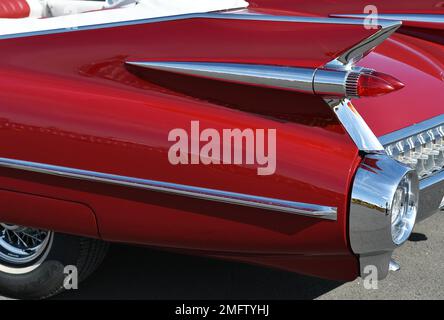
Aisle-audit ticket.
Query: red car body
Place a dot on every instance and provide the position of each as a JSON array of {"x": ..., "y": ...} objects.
[{"x": 69, "y": 99}]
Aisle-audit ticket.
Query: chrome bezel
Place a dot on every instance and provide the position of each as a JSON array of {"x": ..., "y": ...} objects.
[
  {"x": 370, "y": 224},
  {"x": 402, "y": 226}
]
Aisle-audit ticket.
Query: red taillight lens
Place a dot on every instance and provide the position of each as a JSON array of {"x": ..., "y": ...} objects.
[
  {"x": 395, "y": 83},
  {"x": 377, "y": 84}
]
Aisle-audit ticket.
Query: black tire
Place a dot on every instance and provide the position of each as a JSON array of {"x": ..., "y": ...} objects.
[{"x": 46, "y": 276}]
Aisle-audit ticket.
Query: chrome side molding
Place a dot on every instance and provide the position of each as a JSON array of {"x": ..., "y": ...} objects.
[
  {"x": 412, "y": 17},
  {"x": 241, "y": 199}
]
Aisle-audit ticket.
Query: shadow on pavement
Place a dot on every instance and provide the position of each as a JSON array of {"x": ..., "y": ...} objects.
[
  {"x": 416, "y": 237},
  {"x": 140, "y": 273}
]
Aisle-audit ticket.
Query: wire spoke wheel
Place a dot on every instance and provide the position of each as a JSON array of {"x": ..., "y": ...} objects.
[
  {"x": 21, "y": 245},
  {"x": 32, "y": 260}
]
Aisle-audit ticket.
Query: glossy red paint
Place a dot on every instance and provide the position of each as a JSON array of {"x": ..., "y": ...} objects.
[
  {"x": 84, "y": 109},
  {"x": 198, "y": 39},
  {"x": 69, "y": 100},
  {"x": 428, "y": 31},
  {"x": 419, "y": 65},
  {"x": 99, "y": 127},
  {"x": 14, "y": 9},
  {"x": 327, "y": 7},
  {"x": 425, "y": 30},
  {"x": 48, "y": 213}
]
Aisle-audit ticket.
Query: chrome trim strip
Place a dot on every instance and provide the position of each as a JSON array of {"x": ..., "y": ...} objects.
[
  {"x": 431, "y": 181},
  {"x": 324, "y": 82},
  {"x": 289, "y": 78},
  {"x": 299, "y": 208},
  {"x": 355, "y": 125},
  {"x": 412, "y": 130},
  {"x": 356, "y": 53},
  {"x": 213, "y": 15},
  {"x": 413, "y": 17}
]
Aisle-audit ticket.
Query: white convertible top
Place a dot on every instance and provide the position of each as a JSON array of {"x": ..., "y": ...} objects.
[{"x": 131, "y": 10}]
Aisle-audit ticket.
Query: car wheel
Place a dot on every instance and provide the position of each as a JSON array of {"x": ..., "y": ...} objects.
[{"x": 33, "y": 261}]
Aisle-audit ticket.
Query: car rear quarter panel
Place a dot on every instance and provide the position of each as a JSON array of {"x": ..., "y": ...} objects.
[{"x": 68, "y": 100}]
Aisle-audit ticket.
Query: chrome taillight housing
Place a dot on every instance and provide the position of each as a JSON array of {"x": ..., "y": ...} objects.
[{"x": 423, "y": 151}]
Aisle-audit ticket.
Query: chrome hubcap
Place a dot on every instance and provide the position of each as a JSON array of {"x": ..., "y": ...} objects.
[{"x": 20, "y": 245}]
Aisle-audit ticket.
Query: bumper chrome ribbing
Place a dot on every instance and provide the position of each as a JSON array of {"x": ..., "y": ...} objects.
[{"x": 421, "y": 146}]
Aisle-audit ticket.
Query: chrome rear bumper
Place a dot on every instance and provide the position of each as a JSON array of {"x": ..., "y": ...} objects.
[
  {"x": 370, "y": 220},
  {"x": 372, "y": 194},
  {"x": 423, "y": 141},
  {"x": 431, "y": 195}
]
